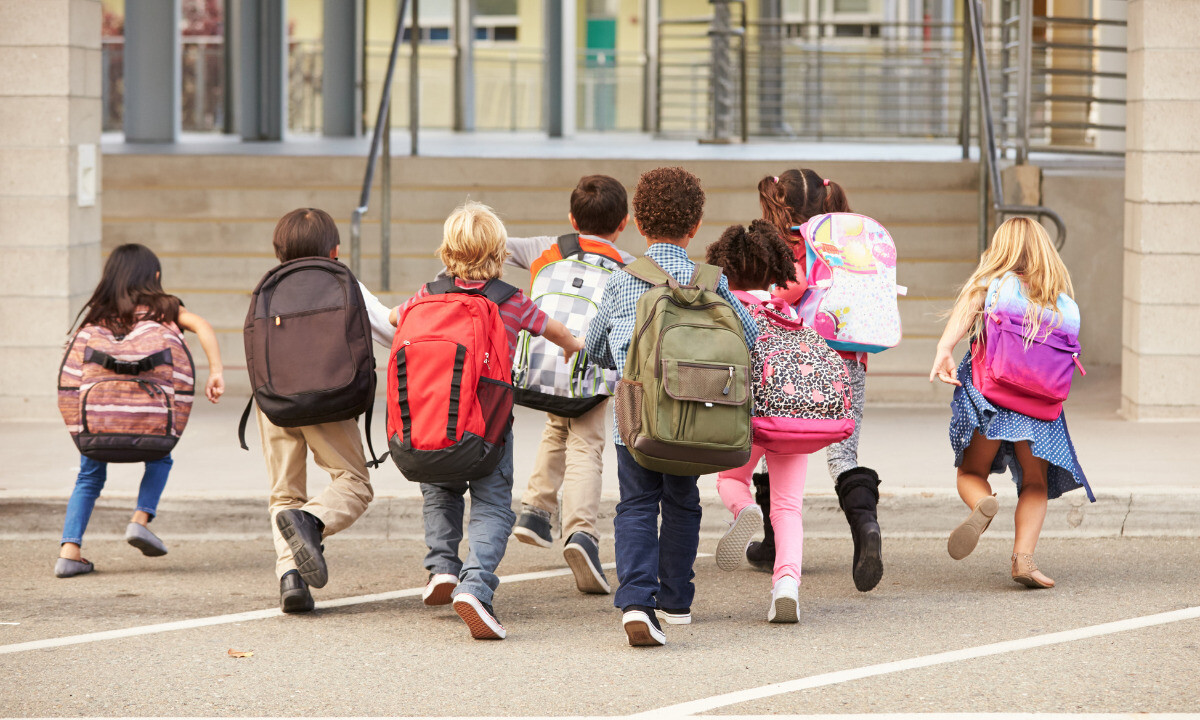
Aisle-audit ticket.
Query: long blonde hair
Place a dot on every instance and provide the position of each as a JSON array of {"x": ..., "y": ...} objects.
[
  {"x": 474, "y": 243},
  {"x": 1020, "y": 246}
]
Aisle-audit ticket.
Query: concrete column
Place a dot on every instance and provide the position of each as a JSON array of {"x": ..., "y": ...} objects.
[
  {"x": 49, "y": 190},
  {"x": 1161, "y": 357},
  {"x": 560, "y": 67},
  {"x": 260, "y": 32},
  {"x": 341, "y": 83},
  {"x": 770, "y": 69},
  {"x": 651, "y": 12},
  {"x": 152, "y": 71},
  {"x": 464, "y": 65}
]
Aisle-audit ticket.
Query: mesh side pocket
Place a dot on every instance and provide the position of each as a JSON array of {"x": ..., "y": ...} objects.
[
  {"x": 629, "y": 410},
  {"x": 495, "y": 404}
]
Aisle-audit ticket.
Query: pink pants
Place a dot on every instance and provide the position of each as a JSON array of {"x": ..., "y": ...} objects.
[{"x": 787, "y": 500}]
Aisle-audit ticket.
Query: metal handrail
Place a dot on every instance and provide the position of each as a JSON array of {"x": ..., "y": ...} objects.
[
  {"x": 987, "y": 141},
  {"x": 381, "y": 126}
]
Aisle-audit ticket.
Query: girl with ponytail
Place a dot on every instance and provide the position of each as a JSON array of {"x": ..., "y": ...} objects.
[{"x": 788, "y": 201}]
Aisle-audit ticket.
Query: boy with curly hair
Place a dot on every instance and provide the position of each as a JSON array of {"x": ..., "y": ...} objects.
[{"x": 654, "y": 568}]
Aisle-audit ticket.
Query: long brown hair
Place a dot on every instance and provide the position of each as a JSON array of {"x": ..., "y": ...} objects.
[
  {"x": 794, "y": 196},
  {"x": 130, "y": 282}
]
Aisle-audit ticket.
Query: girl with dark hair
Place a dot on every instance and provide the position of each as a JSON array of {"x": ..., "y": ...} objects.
[
  {"x": 130, "y": 291},
  {"x": 788, "y": 201}
]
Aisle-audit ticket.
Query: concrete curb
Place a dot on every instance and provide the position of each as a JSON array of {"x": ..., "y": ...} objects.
[{"x": 906, "y": 515}]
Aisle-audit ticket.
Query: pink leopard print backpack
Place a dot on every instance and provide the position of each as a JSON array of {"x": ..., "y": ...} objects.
[{"x": 801, "y": 387}]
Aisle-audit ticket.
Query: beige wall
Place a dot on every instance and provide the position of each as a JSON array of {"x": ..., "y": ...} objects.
[
  {"x": 1162, "y": 212},
  {"x": 49, "y": 246}
]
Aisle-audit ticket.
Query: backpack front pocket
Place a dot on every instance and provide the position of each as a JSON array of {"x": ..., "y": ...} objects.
[
  {"x": 710, "y": 403},
  {"x": 126, "y": 407}
]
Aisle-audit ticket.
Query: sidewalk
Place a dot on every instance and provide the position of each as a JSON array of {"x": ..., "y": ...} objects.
[{"x": 1141, "y": 473}]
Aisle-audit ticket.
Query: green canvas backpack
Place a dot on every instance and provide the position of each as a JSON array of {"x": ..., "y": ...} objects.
[{"x": 683, "y": 401}]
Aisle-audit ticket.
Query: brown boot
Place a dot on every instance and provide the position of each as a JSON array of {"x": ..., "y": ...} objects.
[{"x": 1025, "y": 571}]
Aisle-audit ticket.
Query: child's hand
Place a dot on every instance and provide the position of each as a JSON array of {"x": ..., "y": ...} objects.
[
  {"x": 572, "y": 348},
  {"x": 943, "y": 367},
  {"x": 215, "y": 387},
  {"x": 394, "y": 316}
]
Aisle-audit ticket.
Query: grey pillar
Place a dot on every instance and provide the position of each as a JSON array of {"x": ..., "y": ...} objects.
[
  {"x": 770, "y": 68},
  {"x": 560, "y": 67},
  {"x": 341, "y": 83},
  {"x": 152, "y": 71},
  {"x": 724, "y": 95},
  {"x": 652, "y": 11},
  {"x": 464, "y": 65},
  {"x": 260, "y": 29}
]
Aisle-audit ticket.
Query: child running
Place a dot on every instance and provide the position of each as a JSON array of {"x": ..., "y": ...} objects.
[
  {"x": 473, "y": 251},
  {"x": 1021, "y": 274},
  {"x": 570, "y": 457},
  {"x": 654, "y": 566},
  {"x": 754, "y": 261},
  {"x": 788, "y": 201},
  {"x": 130, "y": 291}
]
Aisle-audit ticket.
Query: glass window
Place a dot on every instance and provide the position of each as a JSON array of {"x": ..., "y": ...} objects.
[
  {"x": 505, "y": 33},
  {"x": 851, "y": 6},
  {"x": 496, "y": 7},
  {"x": 438, "y": 34}
]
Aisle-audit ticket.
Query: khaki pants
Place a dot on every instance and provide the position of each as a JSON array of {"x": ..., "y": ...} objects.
[
  {"x": 337, "y": 448},
  {"x": 570, "y": 457}
]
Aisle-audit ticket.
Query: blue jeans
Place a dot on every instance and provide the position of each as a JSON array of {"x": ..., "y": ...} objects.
[
  {"x": 92, "y": 474},
  {"x": 654, "y": 568},
  {"x": 492, "y": 519}
]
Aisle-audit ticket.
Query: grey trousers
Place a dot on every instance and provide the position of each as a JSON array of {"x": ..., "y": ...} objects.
[
  {"x": 844, "y": 455},
  {"x": 491, "y": 522}
]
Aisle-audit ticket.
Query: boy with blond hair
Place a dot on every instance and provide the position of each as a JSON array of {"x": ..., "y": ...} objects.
[{"x": 473, "y": 251}]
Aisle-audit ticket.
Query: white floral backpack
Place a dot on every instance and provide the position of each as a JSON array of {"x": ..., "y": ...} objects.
[{"x": 851, "y": 297}]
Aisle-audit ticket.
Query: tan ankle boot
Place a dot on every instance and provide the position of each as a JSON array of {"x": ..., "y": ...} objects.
[{"x": 1025, "y": 571}]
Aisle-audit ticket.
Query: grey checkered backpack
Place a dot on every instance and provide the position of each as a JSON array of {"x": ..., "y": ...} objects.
[{"x": 567, "y": 282}]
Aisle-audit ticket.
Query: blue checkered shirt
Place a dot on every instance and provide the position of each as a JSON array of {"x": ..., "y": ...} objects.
[{"x": 608, "y": 336}]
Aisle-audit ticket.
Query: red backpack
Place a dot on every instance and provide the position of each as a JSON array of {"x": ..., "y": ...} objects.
[{"x": 449, "y": 384}]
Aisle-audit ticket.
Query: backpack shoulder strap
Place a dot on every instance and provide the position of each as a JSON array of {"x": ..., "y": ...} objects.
[
  {"x": 568, "y": 245},
  {"x": 706, "y": 277},
  {"x": 498, "y": 291},
  {"x": 441, "y": 286},
  {"x": 646, "y": 270}
]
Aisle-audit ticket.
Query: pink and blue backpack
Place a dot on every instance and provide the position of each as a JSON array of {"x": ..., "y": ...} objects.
[
  {"x": 801, "y": 387},
  {"x": 851, "y": 297},
  {"x": 1014, "y": 370}
]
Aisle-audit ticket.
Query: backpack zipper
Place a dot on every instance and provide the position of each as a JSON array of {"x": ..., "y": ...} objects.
[{"x": 729, "y": 382}]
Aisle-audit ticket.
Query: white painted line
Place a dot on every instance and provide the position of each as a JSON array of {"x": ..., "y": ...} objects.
[
  {"x": 880, "y": 716},
  {"x": 258, "y": 614},
  {"x": 841, "y": 676},
  {"x": 246, "y": 616}
]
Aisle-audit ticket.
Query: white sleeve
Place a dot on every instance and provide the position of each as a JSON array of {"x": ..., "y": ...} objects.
[
  {"x": 523, "y": 251},
  {"x": 382, "y": 330}
]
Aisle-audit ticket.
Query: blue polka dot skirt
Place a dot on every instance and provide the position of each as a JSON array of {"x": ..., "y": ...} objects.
[{"x": 1049, "y": 440}]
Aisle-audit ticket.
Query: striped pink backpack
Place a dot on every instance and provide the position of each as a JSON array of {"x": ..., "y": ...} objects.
[{"x": 126, "y": 399}]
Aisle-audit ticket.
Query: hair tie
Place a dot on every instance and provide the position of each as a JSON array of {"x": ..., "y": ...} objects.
[
  {"x": 825, "y": 182},
  {"x": 775, "y": 178}
]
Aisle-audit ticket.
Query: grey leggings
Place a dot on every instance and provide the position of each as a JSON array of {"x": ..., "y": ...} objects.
[{"x": 844, "y": 455}]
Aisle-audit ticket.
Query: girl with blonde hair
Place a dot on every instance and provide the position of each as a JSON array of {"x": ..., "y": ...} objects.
[{"x": 1022, "y": 275}]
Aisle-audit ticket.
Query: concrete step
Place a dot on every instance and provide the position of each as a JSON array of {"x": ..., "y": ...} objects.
[
  {"x": 917, "y": 239},
  {"x": 239, "y": 171},
  {"x": 533, "y": 203}
]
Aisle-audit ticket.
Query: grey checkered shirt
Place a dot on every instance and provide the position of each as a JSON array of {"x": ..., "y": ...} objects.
[{"x": 608, "y": 336}]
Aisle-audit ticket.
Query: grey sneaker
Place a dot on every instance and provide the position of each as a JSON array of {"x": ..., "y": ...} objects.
[
  {"x": 583, "y": 556},
  {"x": 533, "y": 529},
  {"x": 65, "y": 567},
  {"x": 731, "y": 548},
  {"x": 140, "y": 537}
]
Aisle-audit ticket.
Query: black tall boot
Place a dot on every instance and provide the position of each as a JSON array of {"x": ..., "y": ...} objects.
[
  {"x": 858, "y": 496},
  {"x": 762, "y": 554}
]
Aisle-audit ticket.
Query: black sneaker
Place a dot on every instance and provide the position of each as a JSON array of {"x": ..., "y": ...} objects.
[
  {"x": 533, "y": 529},
  {"x": 642, "y": 627},
  {"x": 479, "y": 617},
  {"x": 675, "y": 616},
  {"x": 303, "y": 534},
  {"x": 583, "y": 556},
  {"x": 294, "y": 596}
]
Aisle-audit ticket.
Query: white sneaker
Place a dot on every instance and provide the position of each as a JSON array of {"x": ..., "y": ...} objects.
[
  {"x": 438, "y": 589},
  {"x": 731, "y": 548},
  {"x": 785, "y": 601}
]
